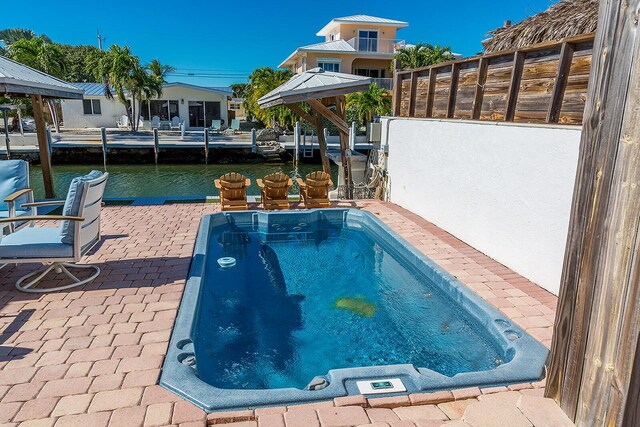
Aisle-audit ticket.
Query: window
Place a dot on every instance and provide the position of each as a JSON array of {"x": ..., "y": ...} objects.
[
  {"x": 165, "y": 110},
  {"x": 333, "y": 37},
  {"x": 330, "y": 66},
  {"x": 234, "y": 106},
  {"x": 91, "y": 107},
  {"x": 367, "y": 72},
  {"x": 368, "y": 40}
]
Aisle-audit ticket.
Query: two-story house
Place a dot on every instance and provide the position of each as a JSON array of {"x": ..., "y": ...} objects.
[{"x": 359, "y": 44}]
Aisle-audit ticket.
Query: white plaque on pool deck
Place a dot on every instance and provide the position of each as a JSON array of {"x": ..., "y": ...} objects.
[{"x": 387, "y": 385}]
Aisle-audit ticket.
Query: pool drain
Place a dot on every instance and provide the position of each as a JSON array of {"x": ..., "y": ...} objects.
[{"x": 226, "y": 262}]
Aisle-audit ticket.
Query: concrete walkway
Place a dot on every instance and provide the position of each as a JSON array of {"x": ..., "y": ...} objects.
[{"x": 92, "y": 356}]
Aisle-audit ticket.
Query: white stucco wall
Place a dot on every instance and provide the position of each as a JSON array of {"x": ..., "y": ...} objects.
[
  {"x": 74, "y": 118},
  {"x": 505, "y": 189}
]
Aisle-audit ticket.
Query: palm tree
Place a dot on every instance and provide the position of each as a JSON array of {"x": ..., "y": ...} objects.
[
  {"x": 41, "y": 54},
  {"x": 262, "y": 81},
  {"x": 9, "y": 36},
  {"x": 423, "y": 54},
  {"x": 374, "y": 101}
]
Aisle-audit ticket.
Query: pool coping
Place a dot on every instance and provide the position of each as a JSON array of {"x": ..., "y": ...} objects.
[{"x": 527, "y": 364}]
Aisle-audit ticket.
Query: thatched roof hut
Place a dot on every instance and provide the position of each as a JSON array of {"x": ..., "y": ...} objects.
[{"x": 566, "y": 18}]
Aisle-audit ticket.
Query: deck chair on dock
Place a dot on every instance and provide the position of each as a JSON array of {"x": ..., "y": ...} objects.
[
  {"x": 274, "y": 191},
  {"x": 233, "y": 191},
  {"x": 314, "y": 191}
]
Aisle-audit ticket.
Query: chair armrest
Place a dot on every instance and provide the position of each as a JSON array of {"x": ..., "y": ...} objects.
[
  {"x": 42, "y": 218},
  {"x": 45, "y": 203},
  {"x": 12, "y": 197},
  {"x": 300, "y": 182},
  {"x": 260, "y": 183},
  {"x": 290, "y": 183},
  {"x": 217, "y": 184},
  {"x": 330, "y": 183},
  {"x": 247, "y": 183}
]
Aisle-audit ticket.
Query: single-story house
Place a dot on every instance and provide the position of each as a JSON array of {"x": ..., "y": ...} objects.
[{"x": 196, "y": 106}]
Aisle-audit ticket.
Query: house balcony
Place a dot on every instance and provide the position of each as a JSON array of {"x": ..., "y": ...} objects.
[{"x": 375, "y": 45}]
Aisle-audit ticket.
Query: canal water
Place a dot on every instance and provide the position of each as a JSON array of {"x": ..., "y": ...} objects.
[{"x": 131, "y": 181}]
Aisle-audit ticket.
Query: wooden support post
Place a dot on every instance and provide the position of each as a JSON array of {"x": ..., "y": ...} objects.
[
  {"x": 330, "y": 115},
  {"x": 344, "y": 146},
  {"x": 453, "y": 89},
  {"x": 431, "y": 91},
  {"x": 594, "y": 357},
  {"x": 479, "y": 91},
  {"x": 514, "y": 85},
  {"x": 397, "y": 89},
  {"x": 560, "y": 84},
  {"x": 45, "y": 158},
  {"x": 413, "y": 88},
  {"x": 316, "y": 120}
]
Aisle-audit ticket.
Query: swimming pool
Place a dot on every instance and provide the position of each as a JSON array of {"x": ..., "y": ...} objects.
[{"x": 299, "y": 306}]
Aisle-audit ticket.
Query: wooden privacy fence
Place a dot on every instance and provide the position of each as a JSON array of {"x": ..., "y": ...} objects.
[{"x": 544, "y": 83}]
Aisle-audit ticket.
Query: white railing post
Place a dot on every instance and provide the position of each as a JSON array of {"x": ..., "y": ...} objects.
[
  {"x": 181, "y": 130},
  {"x": 352, "y": 136},
  {"x": 296, "y": 141}
]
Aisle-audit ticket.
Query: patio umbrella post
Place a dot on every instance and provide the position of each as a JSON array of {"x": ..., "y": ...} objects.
[{"x": 45, "y": 159}]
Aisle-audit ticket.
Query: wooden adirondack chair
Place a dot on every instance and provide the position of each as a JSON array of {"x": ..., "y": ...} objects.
[
  {"x": 275, "y": 191},
  {"x": 233, "y": 191},
  {"x": 315, "y": 191}
]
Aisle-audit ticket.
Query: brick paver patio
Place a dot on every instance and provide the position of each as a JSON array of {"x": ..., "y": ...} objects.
[{"x": 92, "y": 356}]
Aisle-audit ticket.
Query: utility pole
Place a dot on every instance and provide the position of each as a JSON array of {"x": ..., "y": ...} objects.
[{"x": 100, "y": 39}]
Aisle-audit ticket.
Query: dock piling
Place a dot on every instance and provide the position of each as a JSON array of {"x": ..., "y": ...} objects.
[
  {"x": 156, "y": 144},
  {"x": 254, "y": 141},
  {"x": 206, "y": 146},
  {"x": 103, "y": 138}
]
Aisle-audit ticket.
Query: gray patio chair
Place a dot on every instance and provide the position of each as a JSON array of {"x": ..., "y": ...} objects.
[
  {"x": 175, "y": 123},
  {"x": 15, "y": 194},
  {"x": 61, "y": 247},
  {"x": 235, "y": 125},
  {"x": 216, "y": 126}
]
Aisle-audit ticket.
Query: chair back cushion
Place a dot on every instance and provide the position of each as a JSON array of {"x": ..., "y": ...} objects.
[
  {"x": 235, "y": 124},
  {"x": 216, "y": 124},
  {"x": 73, "y": 205},
  {"x": 277, "y": 186},
  {"x": 14, "y": 176},
  {"x": 318, "y": 184}
]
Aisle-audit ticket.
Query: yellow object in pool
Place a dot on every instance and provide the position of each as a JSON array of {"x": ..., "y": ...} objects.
[{"x": 357, "y": 305}]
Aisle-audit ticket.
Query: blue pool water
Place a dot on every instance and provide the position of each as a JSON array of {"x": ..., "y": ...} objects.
[
  {"x": 331, "y": 296},
  {"x": 274, "y": 320}
]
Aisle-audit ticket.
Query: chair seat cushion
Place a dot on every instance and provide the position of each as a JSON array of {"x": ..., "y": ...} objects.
[{"x": 33, "y": 242}]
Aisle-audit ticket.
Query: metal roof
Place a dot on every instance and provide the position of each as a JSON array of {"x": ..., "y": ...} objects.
[
  {"x": 338, "y": 46},
  {"x": 97, "y": 89},
  {"x": 92, "y": 89},
  {"x": 361, "y": 19},
  {"x": 314, "y": 84},
  {"x": 18, "y": 79}
]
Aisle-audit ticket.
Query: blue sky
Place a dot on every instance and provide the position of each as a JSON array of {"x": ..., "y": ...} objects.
[{"x": 227, "y": 39}]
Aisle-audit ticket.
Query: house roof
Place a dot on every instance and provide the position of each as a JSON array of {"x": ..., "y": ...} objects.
[
  {"x": 314, "y": 84},
  {"x": 361, "y": 19},
  {"x": 97, "y": 89},
  {"x": 18, "y": 79},
  {"x": 567, "y": 18},
  {"x": 91, "y": 89}
]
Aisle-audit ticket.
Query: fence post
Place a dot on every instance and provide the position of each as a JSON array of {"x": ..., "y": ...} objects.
[
  {"x": 103, "y": 139},
  {"x": 206, "y": 146},
  {"x": 254, "y": 141},
  {"x": 181, "y": 130},
  {"x": 156, "y": 144},
  {"x": 397, "y": 88}
]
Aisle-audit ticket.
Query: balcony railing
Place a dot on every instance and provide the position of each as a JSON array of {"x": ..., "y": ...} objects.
[
  {"x": 383, "y": 83},
  {"x": 366, "y": 44}
]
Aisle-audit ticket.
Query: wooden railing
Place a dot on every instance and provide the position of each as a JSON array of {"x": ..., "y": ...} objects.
[{"x": 544, "y": 83}]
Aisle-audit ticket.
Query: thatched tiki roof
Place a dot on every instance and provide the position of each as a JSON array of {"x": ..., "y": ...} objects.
[{"x": 567, "y": 18}]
